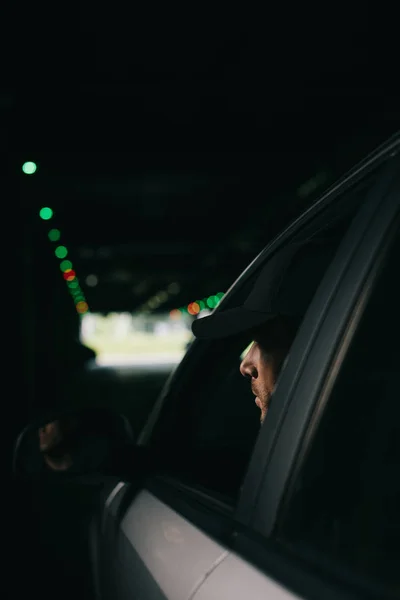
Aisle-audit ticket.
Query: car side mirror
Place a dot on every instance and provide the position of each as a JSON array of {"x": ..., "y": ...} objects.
[{"x": 71, "y": 443}]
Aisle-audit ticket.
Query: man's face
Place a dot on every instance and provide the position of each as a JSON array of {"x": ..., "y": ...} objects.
[
  {"x": 50, "y": 435},
  {"x": 263, "y": 362},
  {"x": 260, "y": 368}
]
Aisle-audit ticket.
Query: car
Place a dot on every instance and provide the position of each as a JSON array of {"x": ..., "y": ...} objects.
[{"x": 207, "y": 504}]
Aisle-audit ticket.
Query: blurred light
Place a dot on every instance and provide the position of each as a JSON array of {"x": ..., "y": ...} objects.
[
  {"x": 45, "y": 213},
  {"x": 54, "y": 235},
  {"x": 82, "y": 307},
  {"x": 210, "y": 302},
  {"x": 162, "y": 296},
  {"x": 65, "y": 265},
  {"x": 86, "y": 252},
  {"x": 312, "y": 184},
  {"x": 174, "y": 288},
  {"x": 91, "y": 280},
  {"x": 69, "y": 275},
  {"x": 215, "y": 300},
  {"x": 73, "y": 284},
  {"x": 29, "y": 167},
  {"x": 61, "y": 252},
  {"x": 75, "y": 292},
  {"x": 175, "y": 314},
  {"x": 195, "y": 308}
]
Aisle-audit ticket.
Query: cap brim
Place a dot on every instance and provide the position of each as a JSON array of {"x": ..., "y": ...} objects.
[{"x": 229, "y": 322}]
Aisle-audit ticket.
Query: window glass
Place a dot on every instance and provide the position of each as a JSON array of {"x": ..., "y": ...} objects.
[{"x": 343, "y": 507}]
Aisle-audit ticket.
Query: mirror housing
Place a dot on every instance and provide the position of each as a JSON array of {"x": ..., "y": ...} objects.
[{"x": 72, "y": 443}]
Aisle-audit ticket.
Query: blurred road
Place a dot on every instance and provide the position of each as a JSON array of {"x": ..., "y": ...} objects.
[{"x": 157, "y": 361}]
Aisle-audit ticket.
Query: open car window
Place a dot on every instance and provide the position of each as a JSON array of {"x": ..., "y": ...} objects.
[{"x": 208, "y": 427}]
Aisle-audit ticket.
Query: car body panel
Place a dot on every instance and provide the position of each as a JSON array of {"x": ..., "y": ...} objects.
[
  {"x": 156, "y": 551},
  {"x": 236, "y": 579}
]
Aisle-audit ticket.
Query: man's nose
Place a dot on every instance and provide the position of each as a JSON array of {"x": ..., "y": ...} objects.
[{"x": 246, "y": 367}]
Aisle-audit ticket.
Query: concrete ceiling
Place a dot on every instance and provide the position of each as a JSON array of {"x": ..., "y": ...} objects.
[{"x": 171, "y": 150}]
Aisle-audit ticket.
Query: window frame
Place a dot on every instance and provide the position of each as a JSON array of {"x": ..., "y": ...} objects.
[
  {"x": 354, "y": 321},
  {"x": 258, "y": 544},
  {"x": 279, "y": 439}
]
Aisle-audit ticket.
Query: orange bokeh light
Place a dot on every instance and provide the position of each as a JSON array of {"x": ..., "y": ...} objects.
[
  {"x": 193, "y": 308},
  {"x": 82, "y": 307}
]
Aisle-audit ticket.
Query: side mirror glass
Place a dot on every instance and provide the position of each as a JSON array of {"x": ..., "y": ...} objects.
[{"x": 71, "y": 443}]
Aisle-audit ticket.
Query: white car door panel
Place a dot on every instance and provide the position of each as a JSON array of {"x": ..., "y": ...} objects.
[
  {"x": 236, "y": 579},
  {"x": 160, "y": 554}
]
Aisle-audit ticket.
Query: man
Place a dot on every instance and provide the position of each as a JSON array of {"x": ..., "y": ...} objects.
[
  {"x": 271, "y": 314},
  {"x": 81, "y": 443},
  {"x": 264, "y": 360},
  {"x": 53, "y": 444}
]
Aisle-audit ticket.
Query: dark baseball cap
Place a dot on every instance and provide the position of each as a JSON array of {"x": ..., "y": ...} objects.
[{"x": 284, "y": 287}]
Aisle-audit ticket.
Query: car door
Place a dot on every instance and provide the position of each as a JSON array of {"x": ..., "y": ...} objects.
[
  {"x": 325, "y": 522},
  {"x": 184, "y": 532}
]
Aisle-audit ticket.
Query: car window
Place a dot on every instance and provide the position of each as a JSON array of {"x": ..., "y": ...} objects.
[
  {"x": 208, "y": 426},
  {"x": 342, "y": 508}
]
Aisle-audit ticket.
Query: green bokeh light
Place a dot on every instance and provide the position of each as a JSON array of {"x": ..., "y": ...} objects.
[
  {"x": 61, "y": 252},
  {"x": 210, "y": 302},
  {"x": 29, "y": 168},
  {"x": 75, "y": 290},
  {"x": 45, "y": 213},
  {"x": 54, "y": 235},
  {"x": 73, "y": 285},
  {"x": 65, "y": 265}
]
